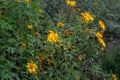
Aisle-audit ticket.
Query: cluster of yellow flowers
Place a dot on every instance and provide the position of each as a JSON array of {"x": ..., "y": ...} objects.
[
  {"x": 52, "y": 37},
  {"x": 42, "y": 58},
  {"x": 30, "y": 27},
  {"x": 114, "y": 77},
  {"x": 99, "y": 35},
  {"x": 32, "y": 67},
  {"x": 86, "y": 17},
  {"x": 27, "y": 1},
  {"x": 71, "y": 3},
  {"x": 68, "y": 32}
]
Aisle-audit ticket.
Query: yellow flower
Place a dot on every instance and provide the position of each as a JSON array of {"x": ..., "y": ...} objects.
[
  {"x": 40, "y": 60},
  {"x": 99, "y": 35},
  {"x": 52, "y": 37},
  {"x": 66, "y": 32},
  {"x": 79, "y": 58},
  {"x": 60, "y": 24},
  {"x": 50, "y": 31},
  {"x": 101, "y": 24},
  {"x": 114, "y": 77},
  {"x": 86, "y": 17},
  {"x": 101, "y": 41},
  {"x": 102, "y": 48},
  {"x": 71, "y": 3},
  {"x": 68, "y": 1},
  {"x": 32, "y": 67},
  {"x": 77, "y": 9},
  {"x": 82, "y": 31},
  {"x": 61, "y": 45},
  {"x": 49, "y": 61},
  {"x": 71, "y": 33},
  {"x": 30, "y": 27},
  {"x": 27, "y": 1},
  {"x": 42, "y": 56},
  {"x": 37, "y": 34},
  {"x": 44, "y": 49},
  {"x": 64, "y": 49},
  {"x": 17, "y": 0},
  {"x": 23, "y": 45}
]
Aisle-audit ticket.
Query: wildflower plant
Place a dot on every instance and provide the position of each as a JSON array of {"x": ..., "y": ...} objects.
[{"x": 37, "y": 46}]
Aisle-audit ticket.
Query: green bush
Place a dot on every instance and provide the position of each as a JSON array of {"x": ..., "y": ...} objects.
[
  {"x": 38, "y": 45},
  {"x": 111, "y": 58}
]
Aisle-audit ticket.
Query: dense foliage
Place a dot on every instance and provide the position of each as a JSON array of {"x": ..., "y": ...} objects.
[{"x": 51, "y": 40}]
